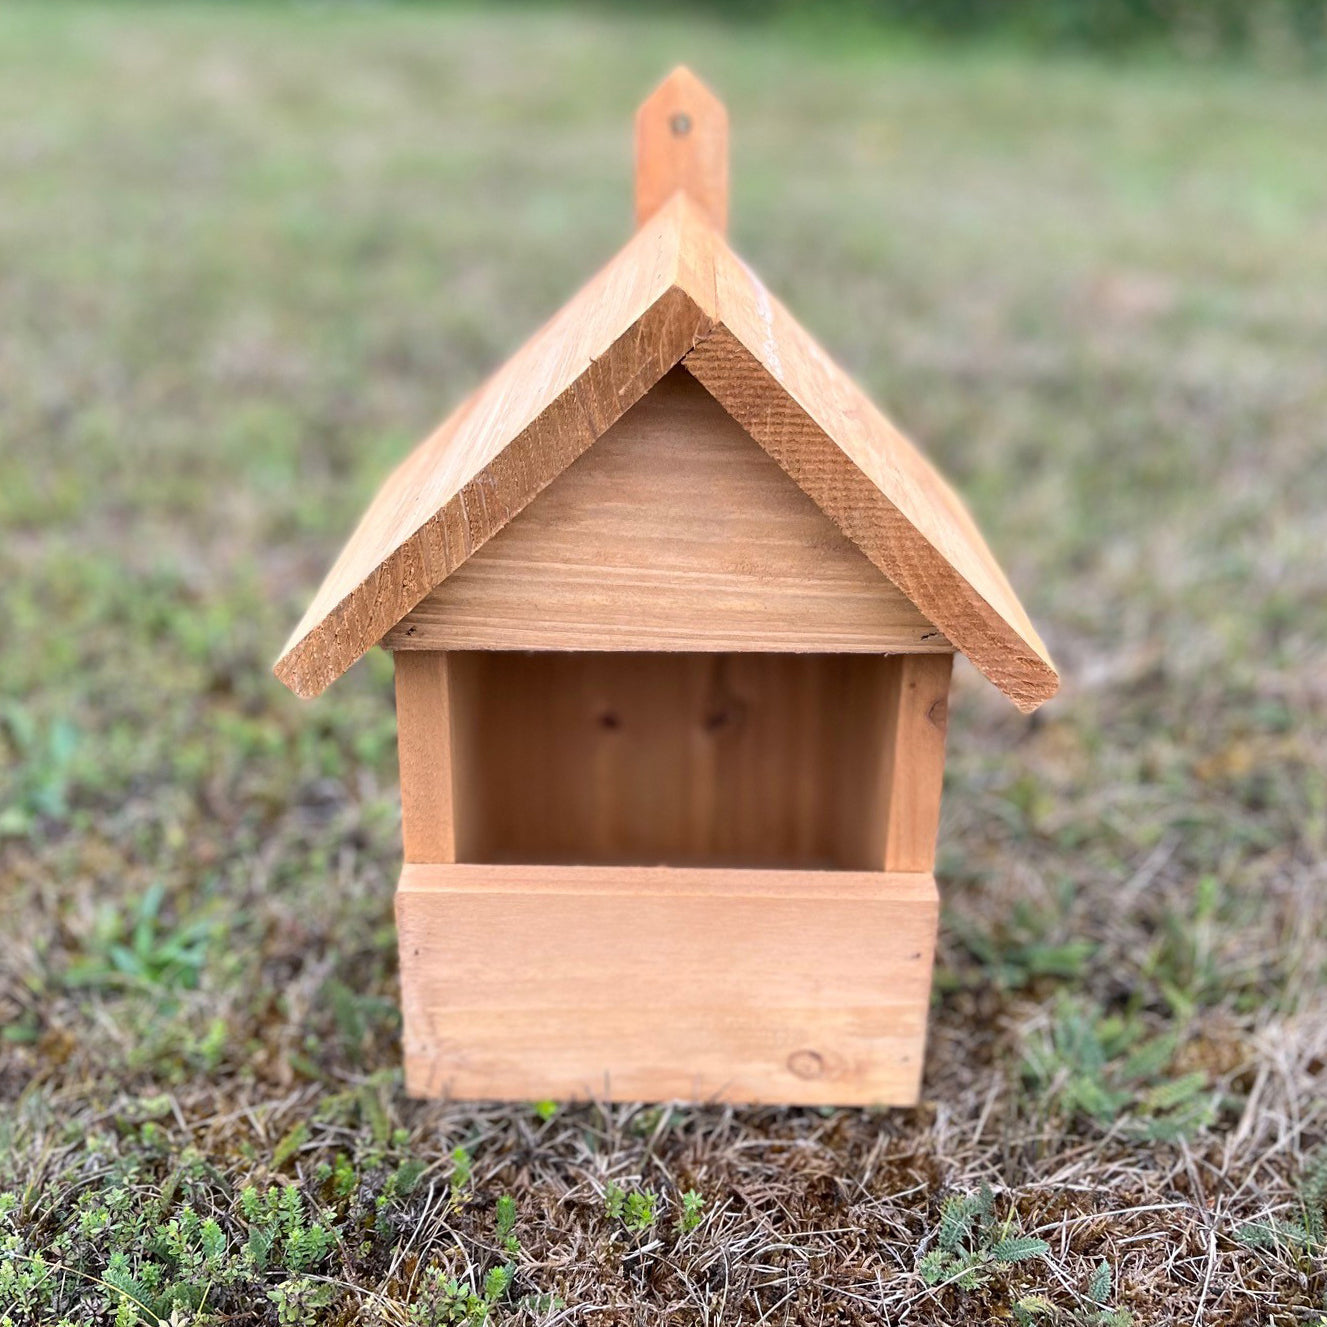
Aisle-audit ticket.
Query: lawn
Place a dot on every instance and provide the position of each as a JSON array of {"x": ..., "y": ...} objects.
[{"x": 247, "y": 256}]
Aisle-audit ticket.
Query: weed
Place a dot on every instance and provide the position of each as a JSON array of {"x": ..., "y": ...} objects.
[
  {"x": 300, "y": 1297},
  {"x": 27, "y": 1283},
  {"x": 360, "y": 1018},
  {"x": 278, "y": 1225},
  {"x": 692, "y": 1212},
  {"x": 290, "y": 1144},
  {"x": 405, "y": 1178},
  {"x": 443, "y": 1299},
  {"x": 142, "y": 951},
  {"x": 42, "y": 771},
  {"x": 636, "y": 1209},
  {"x": 446, "y": 1299},
  {"x": 641, "y": 1209},
  {"x": 970, "y": 1243},
  {"x": 1305, "y": 1234},
  {"x": 1107, "y": 1068},
  {"x": 505, "y": 1222},
  {"x": 1097, "y": 1312},
  {"x": 1029, "y": 1308},
  {"x": 462, "y": 1174},
  {"x": 1017, "y": 951},
  {"x": 1184, "y": 961}
]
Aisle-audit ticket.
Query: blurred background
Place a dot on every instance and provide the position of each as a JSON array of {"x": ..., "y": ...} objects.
[{"x": 250, "y": 252}]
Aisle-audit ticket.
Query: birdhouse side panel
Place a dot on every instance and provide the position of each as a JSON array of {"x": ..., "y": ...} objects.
[{"x": 424, "y": 739}]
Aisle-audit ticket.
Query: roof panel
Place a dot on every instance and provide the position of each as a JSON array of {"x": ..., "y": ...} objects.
[{"x": 675, "y": 294}]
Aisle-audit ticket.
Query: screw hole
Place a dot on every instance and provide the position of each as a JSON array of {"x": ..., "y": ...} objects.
[
  {"x": 680, "y": 124},
  {"x": 609, "y": 721}
]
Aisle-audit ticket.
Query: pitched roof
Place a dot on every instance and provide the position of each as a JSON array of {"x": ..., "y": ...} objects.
[{"x": 676, "y": 294}]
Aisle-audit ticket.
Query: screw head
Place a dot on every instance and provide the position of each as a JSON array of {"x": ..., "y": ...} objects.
[{"x": 680, "y": 124}]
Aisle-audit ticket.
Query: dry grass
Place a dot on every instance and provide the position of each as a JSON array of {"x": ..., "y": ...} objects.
[{"x": 250, "y": 254}]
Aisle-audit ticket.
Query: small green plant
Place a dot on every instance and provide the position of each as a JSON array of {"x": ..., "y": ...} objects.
[
  {"x": 278, "y": 1225},
  {"x": 360, "y": 1018},
  {"x": 1106, "y": 1068},
  {"x": 1097, "y": 1312},
  {"x": 297, "y": 1299},
  {"x": 140, "y": 950},
  {"x": 177, "y": 1262},
  {"x": 463, "y": 1167},
  {"x": 444, "y": 1299},
  {"x": 545, "y": 1110},
  {"x": 636, "y": 1209},
  {"x": 404, "y": 1180},
  {"x": 338, "y": 1178},
  {"x": 42, "y": 772},
  {"x": 1185, "y": 960},
  {"x": 27, "y": 1283},
  {"x": 642, "y": 1208},
  {"x": 1020, "y": 949},
  {"x": 693, "y": 1210},
  {"x": 505, "y": 1222},
  {"x": 1305, "y": 1234},
  {"x": 290, "y": 1143},
  {"x": 970, "y": 1243},
  {"x": 1030, "y": 1308}
]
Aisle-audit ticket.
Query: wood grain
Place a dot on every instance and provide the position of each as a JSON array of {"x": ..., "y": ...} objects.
[
  {"x": 424, "y": 745},
  {"x": 675, "y": 531},
  {"x": 682, "y": 143},
  {"x": 563, "y": 389},
  {"x": 544, "y": 982},
  {"x": 783, "y": 388},
  {"x": 913, "y": 761},
  {"x": 741, "y": 760}
]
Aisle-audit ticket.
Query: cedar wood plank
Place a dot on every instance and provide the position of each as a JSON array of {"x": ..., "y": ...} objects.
[
  {"x": 682, "y": 143},
  {"x": 572, "y": 380},
  {"x": 758, "y": 986},
  {"x": 673, "y": 532}
]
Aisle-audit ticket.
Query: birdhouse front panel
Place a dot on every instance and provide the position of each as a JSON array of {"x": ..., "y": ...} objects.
[{"x": 673, "y": 609}]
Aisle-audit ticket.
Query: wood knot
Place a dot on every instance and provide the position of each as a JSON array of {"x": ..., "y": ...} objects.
[
  {"x": 725, "y": 713},
  {"x": 806, "y": 1064},
  {"x": 938, "y": 714},
  {"x": 717, "y": 720}
]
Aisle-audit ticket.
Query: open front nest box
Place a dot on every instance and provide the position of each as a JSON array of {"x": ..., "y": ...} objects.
[{"x": 673, "y": 608}]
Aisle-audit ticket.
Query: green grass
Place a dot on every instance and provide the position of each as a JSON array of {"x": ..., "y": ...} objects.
[{"x": 247, "y": 255}]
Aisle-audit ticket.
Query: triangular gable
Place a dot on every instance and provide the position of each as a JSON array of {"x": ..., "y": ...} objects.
[
  {"x": 675, "y": 531},
  {"x": 675, "y": 294}
]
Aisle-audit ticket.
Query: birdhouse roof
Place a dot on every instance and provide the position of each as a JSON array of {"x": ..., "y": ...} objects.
[{"x": 675, "y": 295}]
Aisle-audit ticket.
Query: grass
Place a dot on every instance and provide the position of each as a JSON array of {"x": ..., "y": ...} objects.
[{"x": 249, "y": 255}]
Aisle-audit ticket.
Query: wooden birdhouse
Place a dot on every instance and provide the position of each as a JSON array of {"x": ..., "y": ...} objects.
[{"x": 673, "y": 608}]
